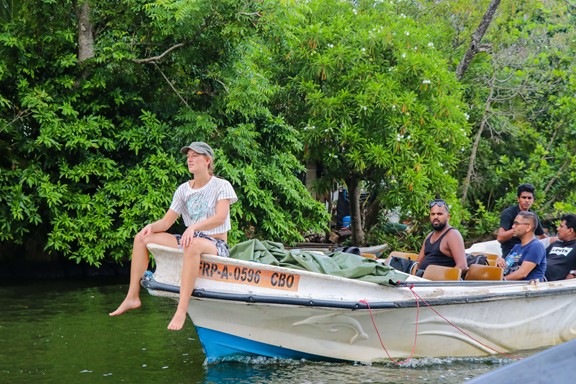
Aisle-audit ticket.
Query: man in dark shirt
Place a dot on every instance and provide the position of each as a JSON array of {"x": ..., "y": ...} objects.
[
  {"x": 443, "y": 246},
  {"x": 505, "y": 232},
  {"x": 561, "y": 254}
]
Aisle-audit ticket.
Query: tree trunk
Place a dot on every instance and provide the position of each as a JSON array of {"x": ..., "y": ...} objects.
[
  {"x": 561, "y": 171},
  {"x": 85, "y": 33},
  {"x": 475, "y": 45},
  {"x": 355, "y": 212},
  {"x": 372, "y": 214},
  {"x": 474, "y": 153}
]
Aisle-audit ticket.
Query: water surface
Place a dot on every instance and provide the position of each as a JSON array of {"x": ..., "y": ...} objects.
[{"x": 60, "y": 332}]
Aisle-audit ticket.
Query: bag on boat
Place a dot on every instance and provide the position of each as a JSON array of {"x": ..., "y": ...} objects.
[
  {"x": 402, "y": 264},
  {"x": 476, "y": 259},
  {"x": 353, "y": 250}
]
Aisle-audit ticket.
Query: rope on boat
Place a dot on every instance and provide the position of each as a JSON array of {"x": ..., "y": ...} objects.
[
  {"x": 418, "y": 299},
  {"x": 380, "y": 337}
]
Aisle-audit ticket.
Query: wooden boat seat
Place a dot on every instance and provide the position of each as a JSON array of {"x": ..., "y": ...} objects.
[
  {"x": 492, "y": 259},
  {"x": 439, "y": 272},
  {"x": 484, "y": 272},
  {"x": 368, "y": 255}
]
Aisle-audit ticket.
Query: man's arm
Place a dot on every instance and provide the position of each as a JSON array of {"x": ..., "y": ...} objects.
[
  {"x": 504, "y": 235},
  {"x": 520, "y": 274},
  {"x": 505, "y": 231},
  {"x": 457, "y": 250},
  {"x": 421, "y": 254}
]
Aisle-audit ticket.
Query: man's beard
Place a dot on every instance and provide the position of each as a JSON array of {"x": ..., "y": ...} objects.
[{"x": 439, "y": 226}]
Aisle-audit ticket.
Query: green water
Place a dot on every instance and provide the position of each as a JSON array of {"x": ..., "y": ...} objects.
[{"x": 60, "y": 332}]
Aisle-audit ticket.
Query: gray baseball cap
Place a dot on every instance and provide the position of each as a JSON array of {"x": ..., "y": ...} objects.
[{"x": 199, "y": 147}]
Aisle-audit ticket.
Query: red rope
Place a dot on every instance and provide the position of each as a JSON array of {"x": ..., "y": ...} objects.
[
  {"x": 461, "y": 330},
  {"x": 380, "y": 337},
  {"x": 418, "y": 299}
]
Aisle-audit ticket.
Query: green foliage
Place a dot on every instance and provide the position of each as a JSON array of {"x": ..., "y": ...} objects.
[
  {"x": 373, "y": 99},
  {"x": 92, "y": 150},
  {"x": 397, "y": 237},
  {"x": 512, "y": 91},
  {"x": 364, "y": 88},
  {"x": 484, "y": 223}
]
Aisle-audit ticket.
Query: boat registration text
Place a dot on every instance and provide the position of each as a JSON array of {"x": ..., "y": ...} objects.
[{"x": 250, "y": 276}]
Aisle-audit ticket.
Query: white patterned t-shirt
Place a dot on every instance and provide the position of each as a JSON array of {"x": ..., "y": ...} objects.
[{"x": 195, "y": 205}]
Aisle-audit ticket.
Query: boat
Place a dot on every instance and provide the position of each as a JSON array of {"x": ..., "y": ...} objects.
[
  {"x": 243, "y": 308},
  {"x": 553, "y": 365}
]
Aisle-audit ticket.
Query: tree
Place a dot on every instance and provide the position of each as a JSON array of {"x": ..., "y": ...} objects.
[
  {"x": 92, "y": 141},
  {"x": 374, "y": 100},
  {"x": 368, "y": 89},
  {"x": 527, "y": 72}
]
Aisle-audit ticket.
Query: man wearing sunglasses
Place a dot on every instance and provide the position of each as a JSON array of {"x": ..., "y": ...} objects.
[
  {"x": 526, "y": 260},
  {"x": 444, "y": 245},
  {"x": 505, "y": 232}
]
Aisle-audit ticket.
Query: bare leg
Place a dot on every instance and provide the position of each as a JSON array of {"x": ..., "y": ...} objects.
[
  {"x": 190, "y": 267},
  {"x": 138, "y": 266}
]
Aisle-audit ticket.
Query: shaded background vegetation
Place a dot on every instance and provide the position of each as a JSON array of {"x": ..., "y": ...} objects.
[{"x": 96, "y": 98}]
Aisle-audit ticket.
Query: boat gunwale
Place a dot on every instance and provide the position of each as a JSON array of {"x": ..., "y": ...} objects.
[
  {"x": 271, "y": 267},
  {"x": 152, "y": 285}
]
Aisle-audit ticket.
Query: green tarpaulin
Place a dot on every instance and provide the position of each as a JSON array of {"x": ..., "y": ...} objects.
[{"x": 336, "y": 263}]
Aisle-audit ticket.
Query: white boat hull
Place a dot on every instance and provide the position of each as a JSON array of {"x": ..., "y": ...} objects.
[{"x": 246, "y": 308}]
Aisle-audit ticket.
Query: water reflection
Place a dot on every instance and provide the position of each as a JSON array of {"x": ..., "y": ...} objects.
[{"x": 58, "y": 332}]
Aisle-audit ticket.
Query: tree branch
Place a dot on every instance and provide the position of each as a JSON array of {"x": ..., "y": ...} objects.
[
  {"x": 553, "y": 180},
  {"x": 171, "y": 85},
  {"x": 553, "y": 138},
  {"x": 154, "y": 59},
  {"x": 476, "y": 145},
  {"x": 20, "y": 115},
  {"x": 251, "y": 14},
  {"x": 475, "y": 45}
]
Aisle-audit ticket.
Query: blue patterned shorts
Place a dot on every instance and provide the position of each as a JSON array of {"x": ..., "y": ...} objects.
[{"x": 221, "y": 245}]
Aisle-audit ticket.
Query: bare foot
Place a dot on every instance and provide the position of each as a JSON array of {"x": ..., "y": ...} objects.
[
  {"x": 126, "y": 305},
  {"x": 177, "y": 321}
]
